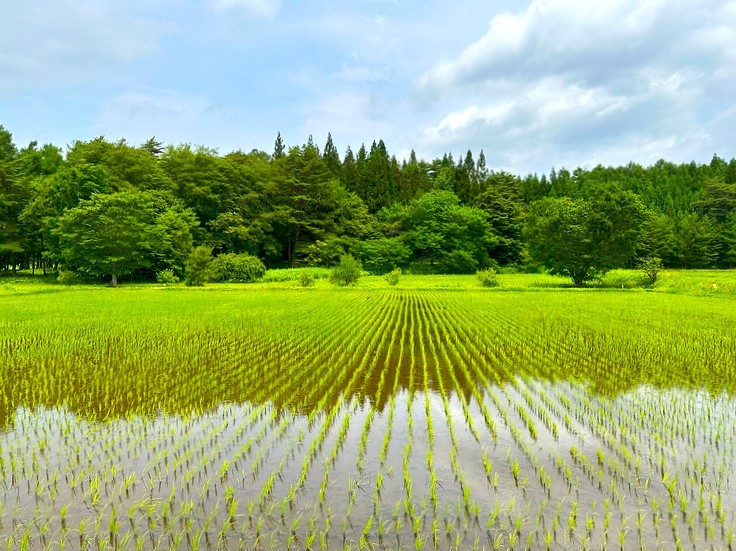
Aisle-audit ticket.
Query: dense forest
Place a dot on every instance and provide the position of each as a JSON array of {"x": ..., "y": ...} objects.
[{"x": 105, "y": 208}]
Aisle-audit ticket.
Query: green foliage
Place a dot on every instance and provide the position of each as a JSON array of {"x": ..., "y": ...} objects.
[
  {"x": 622, "y": 279},
  {"x": 325, "y": 253},
  {"x": 197, "y": 267},
  {"x": 236, "y": 268},
  {"x": 584, "y": 239},
  {"x": 347, "y": 272},
  {"x": 300, "y": 207},
  {"x": 384, "y": 254},
  {"x": 305, "y": 279},
  {"x": 199, "y": 178},
  {"x": 659, "y": 238},
  {"x": 651, "y": 267},
  {"x": 699, "y": 241},
  {"x": 718, "y": 200},
  {"x": 443, "y": 235},
  {"x": 500, "y": 200},
  {"x": 13, "y": 197},
  {"x": 67, "y": 277},
  {"x": 126, "y": 167},
  {"x": 117, "y": 234},
  {"x": 307, "y": 194},
  {"x": 392, "y": 277},
  {"x": 488, "y": 277},
  {"x": 167, "y": 277},
  {"x": 729, "y": 241},
  {"x": 375, "y": 183},
  {"x": 558, "y": 237},
  {"x": 278, "y": 147}
]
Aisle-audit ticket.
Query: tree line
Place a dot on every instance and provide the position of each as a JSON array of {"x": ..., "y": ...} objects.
[{"x": 108, "y": 209}]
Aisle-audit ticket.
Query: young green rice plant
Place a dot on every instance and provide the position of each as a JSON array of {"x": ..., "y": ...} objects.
[
  {"x": 572, "y": 519},
  {"x": 505, "y": 356},
  {"x": 487, "y": 465},
  {"x": 365, "y": 534},
  {"x": 515, "y": 472}
]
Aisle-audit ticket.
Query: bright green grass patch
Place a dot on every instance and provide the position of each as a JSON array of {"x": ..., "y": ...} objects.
[
  {"x": 698, "y": 282},
  {"x": 292, "y": 274}
]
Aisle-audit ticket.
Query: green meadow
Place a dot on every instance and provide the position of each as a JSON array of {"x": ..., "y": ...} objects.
[{"x": 436, "y": 414}]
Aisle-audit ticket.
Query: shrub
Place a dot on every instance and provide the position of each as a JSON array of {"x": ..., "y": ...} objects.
[
  {"x": 237, "y": 268},
  {"x": 167, "y": 277},
  {"x": 305, "y": 279},
  {"x": 487, "y": 277},
  {"x": 67, "y": 277},
  {"x": 381, "y": 255},
  {"x": 347, "y": 272},
  {"x": 651, "y": 267},
  {"x": 197, "y": 266},
  {"x": 392, "y": 278}
]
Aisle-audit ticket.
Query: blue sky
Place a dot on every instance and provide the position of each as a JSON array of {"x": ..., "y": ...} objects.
[{"x": 535, "y": 84}]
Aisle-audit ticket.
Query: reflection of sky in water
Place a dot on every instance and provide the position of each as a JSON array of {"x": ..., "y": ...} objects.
[{"x": 611, "y": 446}]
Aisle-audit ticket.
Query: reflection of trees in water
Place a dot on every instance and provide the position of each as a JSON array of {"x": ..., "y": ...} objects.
[
  {"x": 288, "y": 378},
  {"x": 306, "y": 356}
]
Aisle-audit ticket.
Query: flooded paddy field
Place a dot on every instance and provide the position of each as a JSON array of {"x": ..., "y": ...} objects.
[{"x": 366, "y": 418}]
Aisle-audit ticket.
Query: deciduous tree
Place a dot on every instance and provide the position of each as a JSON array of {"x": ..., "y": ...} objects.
[
  {"x": 119, "y": 233},
  {"x": 584, "y": 239}
]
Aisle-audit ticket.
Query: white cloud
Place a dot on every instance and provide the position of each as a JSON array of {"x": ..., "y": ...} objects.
[
  {"x": 458, "y": 122},
  {"x": 582, "y": 81},
  {"x": 535, "y": 83},
  {"x": 261, "y": 8},
  {"x": 566, "y": 36},
  {"x": 47, "y": 42}
]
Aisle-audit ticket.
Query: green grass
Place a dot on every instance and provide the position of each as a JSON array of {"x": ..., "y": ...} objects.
[
  {"x": 291, "y": 274},
  {"x": 698, "y": 282},
  {"x": 244, "y": 413}
]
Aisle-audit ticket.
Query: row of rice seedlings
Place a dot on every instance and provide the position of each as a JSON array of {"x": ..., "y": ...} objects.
[
  {"x": 379, "y": 360},
  {"x": 466, "y": 509},
  {"x": 404, "y": 327},
  {"x": 409, "y": 507},
  {"x": 405, "y": 516},
  {"x": 624, "y": 459},
  {"x": 624, "y": 453},
  {"x": 443, "y": 334},
  {"x": 432, "y": 473},
  {"x": 544, "y": 477},
  {"x": 394, "y": 342},
  {"x": 347, "y": 388},
  {"x": 315, "y": 443}
]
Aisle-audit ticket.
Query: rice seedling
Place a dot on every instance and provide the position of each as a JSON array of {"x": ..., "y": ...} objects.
[{"x": 223, "y": 417}]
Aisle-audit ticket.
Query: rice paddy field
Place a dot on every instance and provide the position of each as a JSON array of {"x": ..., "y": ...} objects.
[{"x": 434, "y": 415}]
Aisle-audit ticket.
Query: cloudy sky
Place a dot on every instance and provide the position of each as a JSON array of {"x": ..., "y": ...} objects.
[{"x": 535, "y": 84}]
